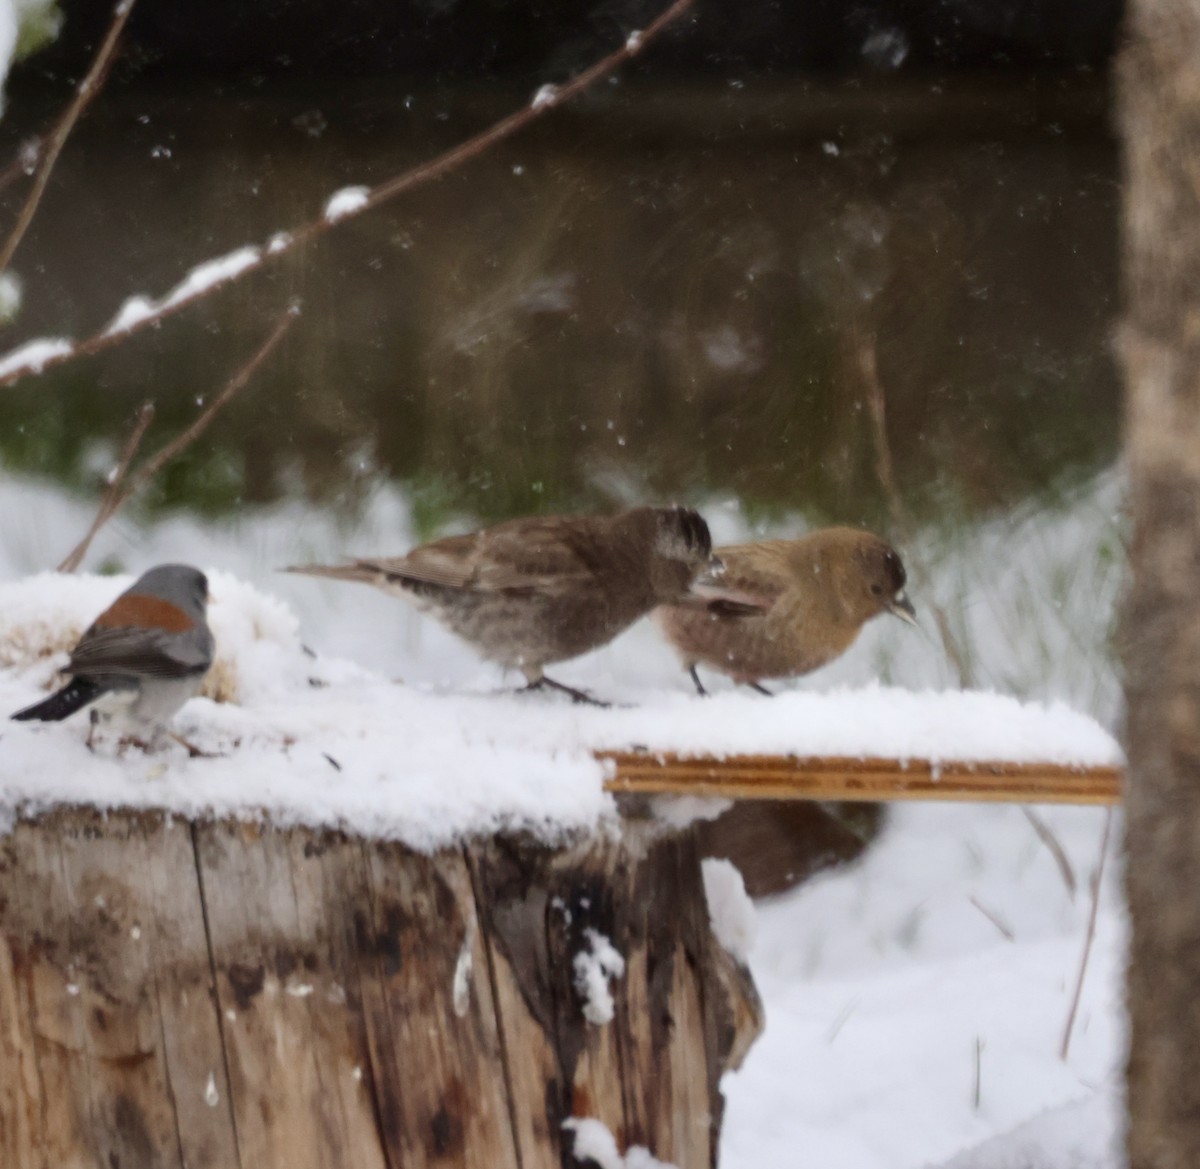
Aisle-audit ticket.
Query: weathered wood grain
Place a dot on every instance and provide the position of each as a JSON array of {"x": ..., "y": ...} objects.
[
  {"x": 787, "y": 777},
  {"x": 233, "y": 996}
]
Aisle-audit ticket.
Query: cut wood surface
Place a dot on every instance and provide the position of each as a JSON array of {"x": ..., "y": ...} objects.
[
  {"x": 228, "y": 996},
  {"x": 786, "y": 777}
]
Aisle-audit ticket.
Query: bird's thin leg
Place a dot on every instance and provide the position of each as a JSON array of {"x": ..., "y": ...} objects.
[
  {"x": 761, "y": 689},
  {"x": 93, "y": 720},
  {"x": 576, "y": 695},
  {"x": 696, "y": 678},
  {"x": 193, "y": 751}
]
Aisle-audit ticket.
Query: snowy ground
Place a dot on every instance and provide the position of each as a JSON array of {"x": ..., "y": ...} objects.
[{"x": 915, "y": 1002}]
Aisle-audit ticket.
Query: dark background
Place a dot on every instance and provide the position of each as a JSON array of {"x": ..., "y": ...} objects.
[{"x": 660, "y": 291}]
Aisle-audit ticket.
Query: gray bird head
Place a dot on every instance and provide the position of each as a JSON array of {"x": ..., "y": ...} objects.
[{"x": 180, "y": 584}]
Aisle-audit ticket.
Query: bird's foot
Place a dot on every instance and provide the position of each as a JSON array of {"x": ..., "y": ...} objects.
[
  {"x": 193, "y": 751},
  {"x": 696, "y": 679},
  {"x": 127, "y": 741},
  {"x": 581, "y": 696},
  {"x": 759, "y": 688}
]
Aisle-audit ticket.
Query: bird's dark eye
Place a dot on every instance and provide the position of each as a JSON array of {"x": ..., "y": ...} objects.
[{"x": 877, "y": 590}]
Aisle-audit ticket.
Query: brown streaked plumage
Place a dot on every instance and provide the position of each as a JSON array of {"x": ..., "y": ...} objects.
[
  {"x": 817, "y": 592},
  {"x": 541, "y": 589}
]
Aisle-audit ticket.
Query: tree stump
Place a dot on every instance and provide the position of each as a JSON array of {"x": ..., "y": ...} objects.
[{"x": 222, "y": 994}]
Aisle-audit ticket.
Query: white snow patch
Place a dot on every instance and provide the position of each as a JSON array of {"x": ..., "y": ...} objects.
[
  {"x": 633, "y": 42},
  {"x": 279, "y": 241},
  {"x": 211, "y": 1097},
  {"x": 595, "y": 1142},
  {"x": 11, "y": 295},
  {"x": 461, "y": 989},
  {"x": 215, "y": 271},
  {"x": 546, "y": 96},
  {"x": 34, "y": 354},
  {"x": 1084, "y": 1135},
  {"x": 730, "y": 910},
  {"x": 132, "y": 312},
  {"x": 594, "y": 967},
  {"x": 325, "y": 742},
  {"x": 346, "y": 202}
]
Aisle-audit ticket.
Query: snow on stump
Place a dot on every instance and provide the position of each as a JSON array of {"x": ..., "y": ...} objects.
[
  {"x": 222, "y": 994},
  {"x": 386, "y": 928}
]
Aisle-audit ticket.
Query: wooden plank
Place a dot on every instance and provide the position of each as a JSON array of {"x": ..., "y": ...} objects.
[
  {"x": 44, "y": 1095},
  {"x": 284, "y": 1113},
  {"x": 102, "y": 937},
  {"x": 435, "y": 1048},
  {"x": 193, "y": 1047},
  {"x": 785, "y": 777},
  {"x": 112, "y": 922},
  {"x": 513, "y": 902},
  {"x": 668, "y": 1049},
  {"x": 329, "y": 882}
]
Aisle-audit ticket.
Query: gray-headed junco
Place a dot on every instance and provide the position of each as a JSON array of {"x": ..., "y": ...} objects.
[
  {"x": 816, "y": 594},
  {"x": 142, "y": 658},
  {"x": 541, "y": 589}
]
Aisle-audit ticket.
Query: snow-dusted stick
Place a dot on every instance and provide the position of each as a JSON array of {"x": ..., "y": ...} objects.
[
  {"x": 786, "y": 777},
  {"x": 1089, "y": 937},
  {"x": 51, "y": 148},
  {"x": 138, "y": 312},
  {"x": 996, "y": 920},
  {"x": 1046, "y": 835},
  {"x": 182, "y": 441},
  {"x": 868, "y": 365},
  {"x": 117, "y": 498},
  {"x": 111, "y": 500}
]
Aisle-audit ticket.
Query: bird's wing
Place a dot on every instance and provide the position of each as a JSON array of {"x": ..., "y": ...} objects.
[
  {"x": 528, "y": 557},
  {"x": 755, "y": 571},
  {"x": 142, "y": 653}
]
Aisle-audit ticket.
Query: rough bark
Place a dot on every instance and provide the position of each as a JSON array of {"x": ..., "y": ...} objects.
[
  {"x": 223, "y": 995},
  {"x": 1160, "y": 123}
]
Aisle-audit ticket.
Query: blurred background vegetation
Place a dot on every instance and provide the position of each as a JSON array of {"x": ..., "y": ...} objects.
[{"x": 660, "y": 291}]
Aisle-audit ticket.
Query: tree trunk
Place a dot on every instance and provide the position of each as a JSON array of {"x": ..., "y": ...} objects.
[
  {"x": 1160, "y": 122},
  {"x": 220, "y": 995}
]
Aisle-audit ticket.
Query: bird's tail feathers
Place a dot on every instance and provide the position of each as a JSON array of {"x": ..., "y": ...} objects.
[
  {"x": 63, "y": 703},
  {"x": 358, "y": 572}
]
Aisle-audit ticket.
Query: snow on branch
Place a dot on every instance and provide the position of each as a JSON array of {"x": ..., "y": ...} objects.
[{"x": 139, "y": 312}]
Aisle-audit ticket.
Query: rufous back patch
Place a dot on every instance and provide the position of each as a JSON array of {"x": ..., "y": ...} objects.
[{"x": 144, "y": 613}]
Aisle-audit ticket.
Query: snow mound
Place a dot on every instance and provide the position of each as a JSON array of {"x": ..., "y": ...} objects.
[{"x": 321, "y": 741}]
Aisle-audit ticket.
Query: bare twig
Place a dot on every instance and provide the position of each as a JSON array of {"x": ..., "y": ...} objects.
[
  {"x": 85, "y": 93},
  {"x": 977, "y": 1095},
  {"x": 33, "y": 357},
  {"x": 996, "y": 920},
  {"x": 1047, "y": 837},
  {"x": 901, "y": 519},
  {"x": 117, "y": 498},
  {"x": 109, "y": 504},
  {"x": 1089, "y": 937}
]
